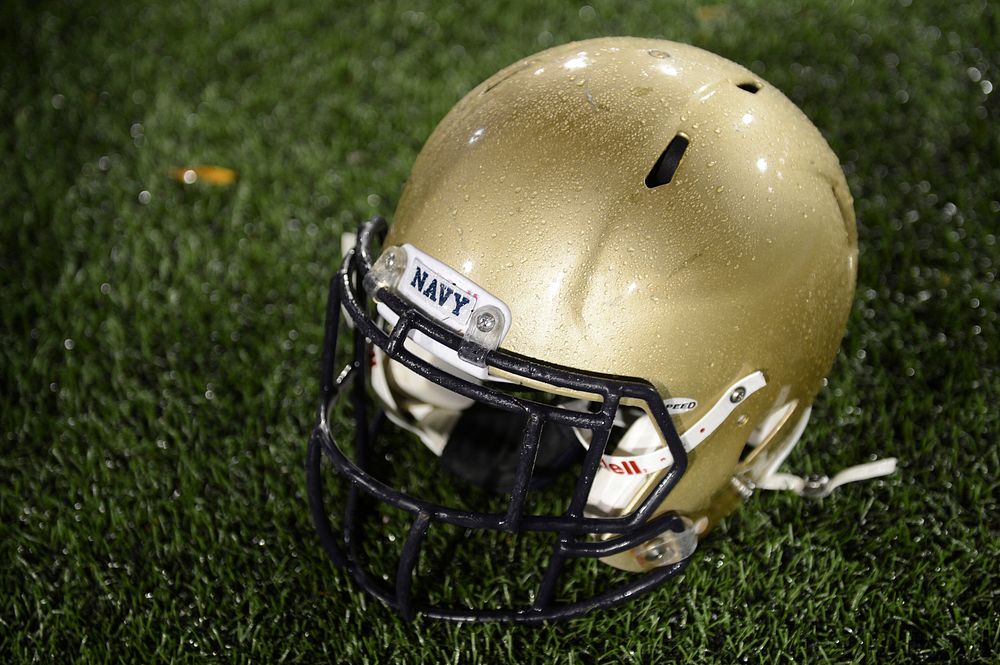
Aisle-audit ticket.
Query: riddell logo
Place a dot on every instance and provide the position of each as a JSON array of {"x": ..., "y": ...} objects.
[{"x": 626, "y": 468}]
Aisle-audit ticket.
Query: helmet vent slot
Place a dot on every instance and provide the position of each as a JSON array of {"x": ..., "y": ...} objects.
[
  {"x": 750, "y": 87},
  {"x": 665, "y": 167}
]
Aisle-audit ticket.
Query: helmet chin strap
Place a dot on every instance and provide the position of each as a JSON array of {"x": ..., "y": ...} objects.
[
  {"x": 641, "y": 452},
  {"x": 813, "y": 486},
  {"x": 818, "y": 486}
]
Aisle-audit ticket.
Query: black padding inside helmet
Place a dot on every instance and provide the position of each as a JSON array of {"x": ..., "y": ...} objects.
[{"x": 483, "y": 449}]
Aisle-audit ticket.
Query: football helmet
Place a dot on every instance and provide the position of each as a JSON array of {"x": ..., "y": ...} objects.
[{"x": 625, "y": 262}]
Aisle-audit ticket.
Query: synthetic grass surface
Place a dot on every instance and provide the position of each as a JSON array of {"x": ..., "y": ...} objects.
[{"x": 160, "y": 342}]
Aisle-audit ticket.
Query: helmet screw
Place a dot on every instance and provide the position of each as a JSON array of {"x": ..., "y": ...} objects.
[
  {"x": 743, "y": 485},
  {"x": 485, "y": 322},
  {"x": 655, "y": 552},
  {"x": 737, "y": 395}
]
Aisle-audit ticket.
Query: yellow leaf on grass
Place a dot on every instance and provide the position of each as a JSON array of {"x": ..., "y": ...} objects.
[{"x": 211, "y": 175}]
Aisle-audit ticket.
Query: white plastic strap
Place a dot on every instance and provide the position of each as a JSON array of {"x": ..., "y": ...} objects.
[
  {"x": 818, "y": 487},
  {"x": 432, "y": 418},
  {"x": 347, "y": 242},
  {"x": 641, "y": 450},
  {"x": 644, "y": 431}
]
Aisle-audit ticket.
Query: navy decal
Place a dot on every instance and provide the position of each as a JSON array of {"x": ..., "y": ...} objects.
[{"x": 443, "y": 293}]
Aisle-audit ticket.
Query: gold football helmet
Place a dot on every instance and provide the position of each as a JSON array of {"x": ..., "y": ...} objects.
[{"x": 629, "y": 251}]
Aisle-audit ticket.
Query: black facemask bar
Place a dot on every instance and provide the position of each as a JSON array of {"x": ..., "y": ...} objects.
[{"x": 575, "y": 532}]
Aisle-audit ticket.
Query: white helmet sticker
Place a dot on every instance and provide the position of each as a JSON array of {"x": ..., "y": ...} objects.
[
  {"x": 448, "y": 297},
  {"x": 680, "y": 404}
]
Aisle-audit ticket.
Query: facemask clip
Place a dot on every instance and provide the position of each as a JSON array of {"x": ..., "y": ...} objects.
[
  {"x": 670, "y": 547},
  {"x": 483, "y": 335},
  {"x": 386, "y": 271}
]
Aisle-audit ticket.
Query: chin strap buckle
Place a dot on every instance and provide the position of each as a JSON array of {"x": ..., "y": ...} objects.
[{"x": 817, "y": 486}]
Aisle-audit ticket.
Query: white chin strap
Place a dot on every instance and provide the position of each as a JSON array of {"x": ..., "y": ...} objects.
[
  {"x": 641, "y": 452},
  {"x": 817, "y": 487}
]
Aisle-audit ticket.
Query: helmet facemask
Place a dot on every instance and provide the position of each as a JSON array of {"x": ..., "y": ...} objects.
[{"x": 575, "y": 535}]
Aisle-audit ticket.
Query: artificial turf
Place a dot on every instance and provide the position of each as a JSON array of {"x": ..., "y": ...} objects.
[{"x": 160, "y": 341}]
